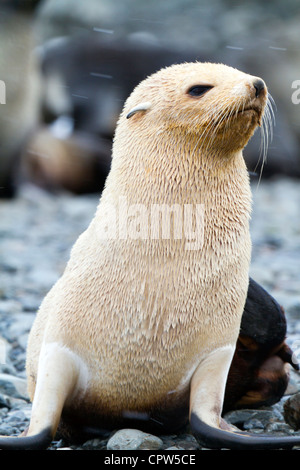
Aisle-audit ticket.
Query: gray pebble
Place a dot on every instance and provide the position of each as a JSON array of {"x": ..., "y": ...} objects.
[
  {"x": 4, "y": 402},
  {"x": 292, "y": 411},
  {"x": 13, "y": 386},
  {"x": 16, "y": 417},
  {"x": 177, "y": 447},
  {"x": 6, "y": 430},
  {"x": 94, "y": 444},
  {"x": 253, "y": 424},
  {"x": 133, "y": 439}
]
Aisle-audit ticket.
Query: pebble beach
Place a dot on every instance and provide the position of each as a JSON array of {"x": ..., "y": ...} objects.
[{"x": 37, "y": 231}]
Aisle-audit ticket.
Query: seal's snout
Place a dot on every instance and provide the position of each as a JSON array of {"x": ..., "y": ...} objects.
[{"x": 259, "y": 86}]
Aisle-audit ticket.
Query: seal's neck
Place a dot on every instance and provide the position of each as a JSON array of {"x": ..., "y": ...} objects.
[
  {"x": 169, "y": 169},
  {"x": 178, "y": 180}
]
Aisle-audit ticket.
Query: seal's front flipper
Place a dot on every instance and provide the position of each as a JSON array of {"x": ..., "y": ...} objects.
[
  {"x": 59, "y": 379},
  {"x": 216, "y": 438},
  {"x": 208, "y": 385},
  {"x": 206, "y": 399},
  {"x": 41, "y": 440}
]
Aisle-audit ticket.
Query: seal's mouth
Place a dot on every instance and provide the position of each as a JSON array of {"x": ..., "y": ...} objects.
[{"x": 252, "y": 109}]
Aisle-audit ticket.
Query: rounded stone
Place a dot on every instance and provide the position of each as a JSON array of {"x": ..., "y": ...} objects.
[
  {"x": 133, "y": 439},
  {"x": 291, "y": 410}
]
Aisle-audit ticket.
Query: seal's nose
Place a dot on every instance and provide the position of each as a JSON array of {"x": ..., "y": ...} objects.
[{"x": 259, "y": 86}]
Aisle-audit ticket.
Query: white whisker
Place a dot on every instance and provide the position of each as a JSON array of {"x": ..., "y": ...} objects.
[{"x": 268, "y": 122}]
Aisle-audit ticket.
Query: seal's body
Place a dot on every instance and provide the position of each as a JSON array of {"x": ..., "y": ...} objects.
[
  {"x": 148, "y": 302},
  {"x": 145, "y": 325}
]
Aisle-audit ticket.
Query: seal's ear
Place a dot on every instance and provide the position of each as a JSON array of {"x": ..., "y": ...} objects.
[{"x": 140, "y": 107}]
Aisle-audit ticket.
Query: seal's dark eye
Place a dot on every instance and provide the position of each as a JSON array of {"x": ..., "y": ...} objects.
[{"x": 199, "y": 90}]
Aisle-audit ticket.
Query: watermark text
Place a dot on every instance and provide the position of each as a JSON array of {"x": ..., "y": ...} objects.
[
  {"x": 296, "y": 93},
  {"x": 2, "y": 92},
  {"x": 155, "y": 222}
]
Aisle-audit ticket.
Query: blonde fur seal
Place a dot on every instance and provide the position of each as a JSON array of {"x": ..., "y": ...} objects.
[{"x": 146, "y": 326}]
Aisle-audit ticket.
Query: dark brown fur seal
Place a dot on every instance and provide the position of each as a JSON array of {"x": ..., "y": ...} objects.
[{"x": 262, "y": 358}]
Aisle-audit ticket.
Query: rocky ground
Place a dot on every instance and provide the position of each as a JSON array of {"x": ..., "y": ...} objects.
[{"x": 36, "y": 234}]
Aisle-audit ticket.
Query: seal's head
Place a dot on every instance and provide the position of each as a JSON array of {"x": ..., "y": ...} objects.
[{"x": 218, "y": 104}]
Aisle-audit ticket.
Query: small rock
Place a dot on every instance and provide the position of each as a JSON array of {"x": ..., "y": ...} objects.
[
  {"x": 292, "y": 388},
  {"x": 176, "y": 447},
  {"x": 3, "y": 401},
  {"x": 253, "y": 424},
  {"x": 94, "y": 444},
  {"x": 238, "y": 417},
  {"x": 22, "y": 323},
  {"x": 13, "y": 386},
  {"x": 133, "y": 439},
  {"x": 10, "y": 306},
  {"x": 294, "y": 309},
  {"x": 249, "y": 419},
  {"x": 291, "y": 409},
  {"x": 16, "y": 418},
  {"x": 282, "y": 428},
  {"x": 6, "y": 430}
]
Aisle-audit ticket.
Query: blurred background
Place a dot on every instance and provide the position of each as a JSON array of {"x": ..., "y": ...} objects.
[{"x": 68, "y": 66}]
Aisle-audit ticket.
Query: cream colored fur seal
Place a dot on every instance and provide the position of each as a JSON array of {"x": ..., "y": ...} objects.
[{"x": 144, "y": 327}]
